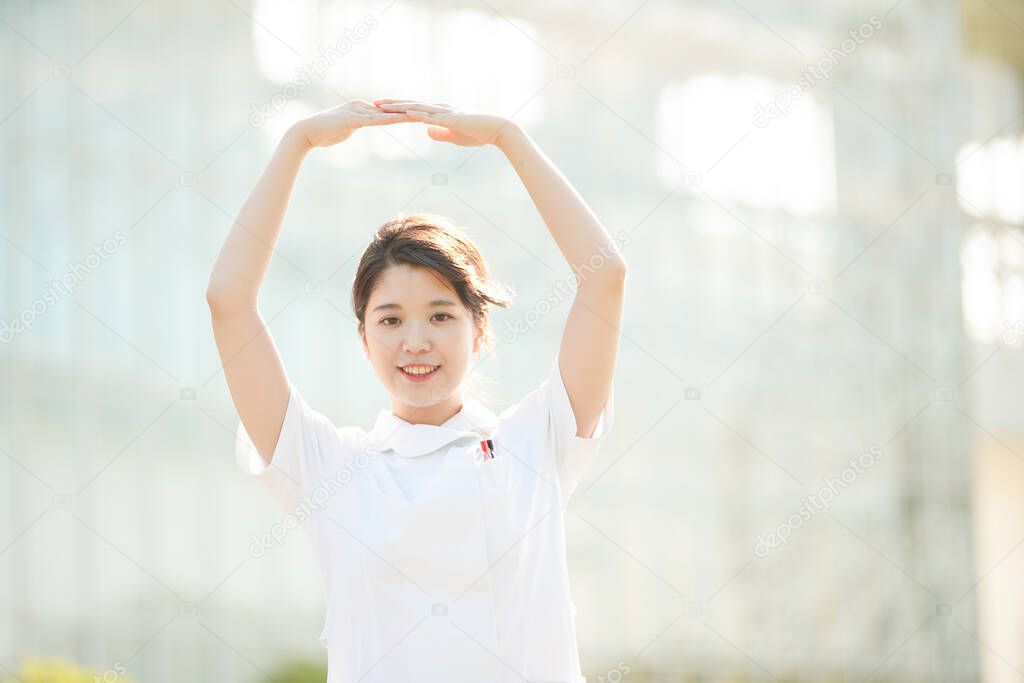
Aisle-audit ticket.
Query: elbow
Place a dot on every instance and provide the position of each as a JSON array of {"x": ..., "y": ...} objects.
[
  {"x": 215, "y": 296},
  {"x": 614, "y": 272},
  {"x": 221, "y": 301},
  {"x": 621, "y": 270},
  {"x": 609, "y": 279},
  {"x": 215, "y": 301},
  {"x": 609, "y": 271}
]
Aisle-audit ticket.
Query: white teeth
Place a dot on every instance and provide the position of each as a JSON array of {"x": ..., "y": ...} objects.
[{"x": 420, "y": 369}]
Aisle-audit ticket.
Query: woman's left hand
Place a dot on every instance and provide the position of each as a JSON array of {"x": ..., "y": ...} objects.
[{"x": 449, "y": 124}]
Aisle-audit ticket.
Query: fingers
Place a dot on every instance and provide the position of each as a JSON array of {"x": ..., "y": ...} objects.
[
  {"x": 394, "y": 101},
  {"x": 400, "y": 101},
  {"x": 439, "y": 134},
  {"x": 418, "y": 106},
  {"x": 358, "y": 108},
  {"x": 380, "y": 119}
]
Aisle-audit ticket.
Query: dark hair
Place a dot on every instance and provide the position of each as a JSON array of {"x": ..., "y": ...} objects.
[{"x": 434, "y": 242}]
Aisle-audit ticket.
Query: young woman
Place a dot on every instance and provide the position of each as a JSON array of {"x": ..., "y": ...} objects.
[{"x": 440, "y": 531}]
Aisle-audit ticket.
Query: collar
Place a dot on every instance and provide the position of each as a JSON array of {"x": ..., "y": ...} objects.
[{"x": 474, "y": 421}]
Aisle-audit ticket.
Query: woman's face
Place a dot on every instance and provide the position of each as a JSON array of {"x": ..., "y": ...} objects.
[{"x": 414, "y": 318}]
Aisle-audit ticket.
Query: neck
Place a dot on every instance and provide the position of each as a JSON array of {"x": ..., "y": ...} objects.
[{"x": 436, "y": 414}]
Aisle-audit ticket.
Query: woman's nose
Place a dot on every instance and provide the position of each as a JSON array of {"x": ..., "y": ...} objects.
[
  {"x": 416, "y": 342},
  {"x": 413, "y": 347}
]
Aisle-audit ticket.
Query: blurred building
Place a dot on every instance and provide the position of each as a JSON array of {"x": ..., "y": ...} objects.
[{"x": 822, "y": 211}]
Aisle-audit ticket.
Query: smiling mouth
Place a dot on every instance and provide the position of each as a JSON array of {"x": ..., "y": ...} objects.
[{"x": 419, "y": 371}]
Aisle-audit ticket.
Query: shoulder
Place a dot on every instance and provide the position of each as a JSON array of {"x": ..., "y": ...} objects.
[
  {"x": 349, "y": 442},
  {"x": 534, "y": 405},
  {"x": 523, "y": 428},
  {"x": 354, "y": 439}
]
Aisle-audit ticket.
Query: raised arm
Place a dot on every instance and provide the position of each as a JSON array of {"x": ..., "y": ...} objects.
[
  {"x": 256, "y": 377},
  {"x": 590, "y": 342}
]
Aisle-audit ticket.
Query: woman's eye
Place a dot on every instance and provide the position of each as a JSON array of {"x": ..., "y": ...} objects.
[{"x": 384, "y": 321}]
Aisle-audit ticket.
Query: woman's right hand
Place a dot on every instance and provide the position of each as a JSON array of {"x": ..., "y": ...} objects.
[{"x": 331, "y": 126}]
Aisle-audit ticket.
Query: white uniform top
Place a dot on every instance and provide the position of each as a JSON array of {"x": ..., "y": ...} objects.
[{"x": 439, "y": 564}]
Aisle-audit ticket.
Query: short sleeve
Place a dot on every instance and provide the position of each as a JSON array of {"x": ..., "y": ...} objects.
[
  {"x": 573, "y": 453},
  {"x": 548, "y": 407},
  {"x": 305, "y": 438}
]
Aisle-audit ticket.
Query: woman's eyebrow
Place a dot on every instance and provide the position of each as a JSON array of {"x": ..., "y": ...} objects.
[{"x": 435, "y": 302}]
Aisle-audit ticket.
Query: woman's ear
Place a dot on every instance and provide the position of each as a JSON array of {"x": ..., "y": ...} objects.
[{"x": 478, "y": 339}]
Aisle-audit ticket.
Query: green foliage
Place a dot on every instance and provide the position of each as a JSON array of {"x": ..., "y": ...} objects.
[
  {"x": 57, "y": 670},
  {"x": 299, "y": 671}
]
